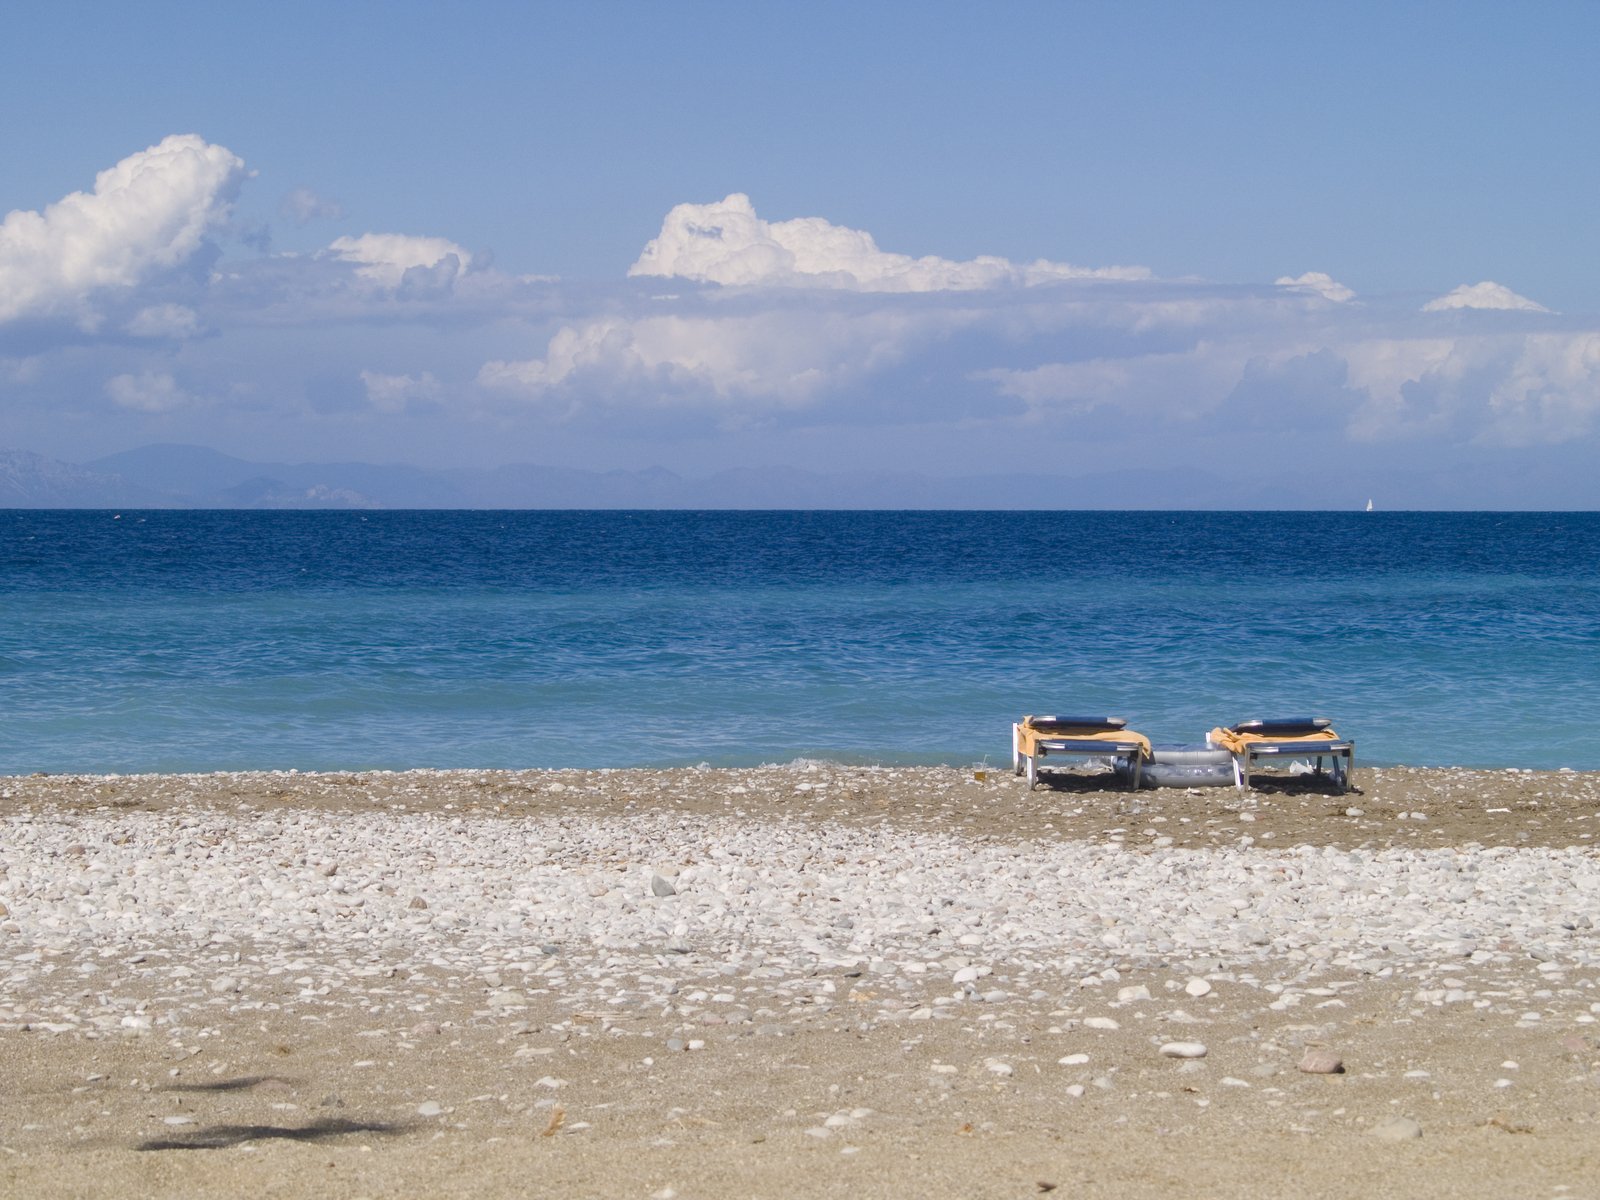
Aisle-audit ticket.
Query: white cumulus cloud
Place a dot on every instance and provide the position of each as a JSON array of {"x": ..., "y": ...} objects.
[
  {"x": 148, "y": 391},
  {"x": 1503, "y": 389},
  {"x": 748, "y": 364},
  {"x": 728, "y": 243},
  {"x": 397, "y": 393},
  {"x": 1483, "y": 295},
  {"x": 150, "y": 212},
  {"x": 1180, "y": 385},
  {"x": 165, "y": 321},
  {"x": 1549, "y": 394},
  {"x": 385, "y": 258},
  {"x": 1319, "y": 282}
]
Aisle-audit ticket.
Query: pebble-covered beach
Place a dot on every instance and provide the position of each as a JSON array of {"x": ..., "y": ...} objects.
[{"x": 798, "y": 980}]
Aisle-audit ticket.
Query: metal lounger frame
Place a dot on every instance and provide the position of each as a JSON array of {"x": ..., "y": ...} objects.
[
  {"x": 1341, "y": 755},
  {"x": 1028, "y": 764}
]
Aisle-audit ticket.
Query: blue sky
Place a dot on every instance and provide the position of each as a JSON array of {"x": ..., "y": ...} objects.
[{"x": 929, "y": 237}]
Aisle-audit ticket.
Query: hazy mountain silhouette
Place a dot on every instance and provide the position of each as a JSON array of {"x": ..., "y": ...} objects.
[{"x": 179, "y": 476}]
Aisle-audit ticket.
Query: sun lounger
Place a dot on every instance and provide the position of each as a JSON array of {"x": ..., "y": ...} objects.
[
  {"x": 1034, "y": 739},
  {"x": 1294, "y": 738}
]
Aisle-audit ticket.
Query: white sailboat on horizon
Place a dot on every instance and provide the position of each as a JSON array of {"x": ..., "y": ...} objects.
[{"x": 1369, "y": 504}]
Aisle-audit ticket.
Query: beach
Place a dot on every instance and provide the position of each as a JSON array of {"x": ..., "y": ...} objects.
[{"x": 798, "y": 980}]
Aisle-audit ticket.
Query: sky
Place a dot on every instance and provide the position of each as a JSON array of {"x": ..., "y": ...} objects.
[{"x": 1353, "y": 241}]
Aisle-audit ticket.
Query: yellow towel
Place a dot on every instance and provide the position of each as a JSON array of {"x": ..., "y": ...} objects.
[
  {"x": 1028, "y": 738},
  {"x": 1236, "y": 742}
]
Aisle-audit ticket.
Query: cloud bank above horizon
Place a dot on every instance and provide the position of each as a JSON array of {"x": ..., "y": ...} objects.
[
  {"x": 138, "y": 308},
  {"x": 727, "y": 243}
]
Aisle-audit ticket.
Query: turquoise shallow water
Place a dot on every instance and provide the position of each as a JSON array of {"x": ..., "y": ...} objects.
[{"x": 166, "y": 641}]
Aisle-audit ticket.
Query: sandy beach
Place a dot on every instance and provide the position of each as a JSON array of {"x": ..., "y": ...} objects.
[{"x": 798, "y": 980}]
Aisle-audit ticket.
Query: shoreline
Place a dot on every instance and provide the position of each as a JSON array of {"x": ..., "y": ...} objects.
[
  {"x": 993, "y": 762},
  {"x": 797, "y": 980},
  {"x": 1413, "y": 806}
]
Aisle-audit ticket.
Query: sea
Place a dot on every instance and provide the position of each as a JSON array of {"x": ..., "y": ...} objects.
[{"x": 168, "y": 641}]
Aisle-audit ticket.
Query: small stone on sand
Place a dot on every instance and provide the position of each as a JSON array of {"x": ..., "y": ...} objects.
[{"x": 1317, "y": 1061}]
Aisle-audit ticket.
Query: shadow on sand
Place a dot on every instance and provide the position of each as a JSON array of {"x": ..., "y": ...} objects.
[
  {"x": 242, "y": 1083},
  {"x": 221, "y": 1137}
]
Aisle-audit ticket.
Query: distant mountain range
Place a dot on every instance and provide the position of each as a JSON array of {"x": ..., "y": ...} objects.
[
  {"x": 33, "y": 481},
  {"x": 176, "y": 476}
]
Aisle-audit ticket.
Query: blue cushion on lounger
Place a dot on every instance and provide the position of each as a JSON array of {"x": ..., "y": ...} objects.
[
  {"x": 1284, "y": 726},
  {"x": 1077, "y": 724}
]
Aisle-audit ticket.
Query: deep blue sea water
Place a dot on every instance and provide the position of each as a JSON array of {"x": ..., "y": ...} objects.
[{"x": 177, "y": 641}]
